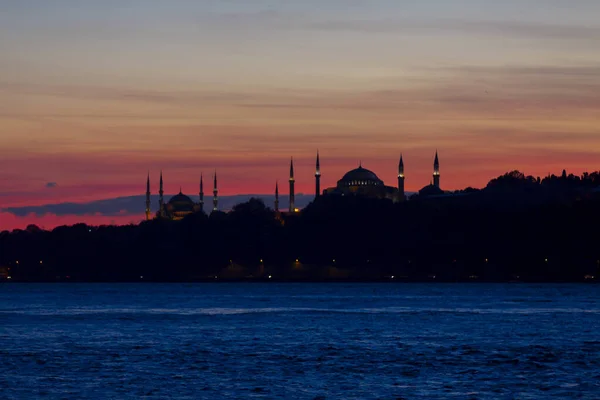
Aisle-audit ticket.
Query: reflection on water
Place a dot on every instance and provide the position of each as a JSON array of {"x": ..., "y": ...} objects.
[{"x": 299, "y": 341}]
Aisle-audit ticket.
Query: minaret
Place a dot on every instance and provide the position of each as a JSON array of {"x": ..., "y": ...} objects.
[
  {"x": 161, "y": 199},
  {"x": 292, "y": 196},
  {"x": 401, "y": 195},
  {"x": 148, "y": 210},
  {"x": 318, "y": 178},
  {"x": 201, "y": 194},
  {"x": 277, "y": 197},
  {"x": 215, "y": 194},
  {"x": 436, "y": 171}
]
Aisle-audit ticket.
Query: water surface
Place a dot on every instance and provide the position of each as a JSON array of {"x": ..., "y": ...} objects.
[{"x": 306, "y": 341}]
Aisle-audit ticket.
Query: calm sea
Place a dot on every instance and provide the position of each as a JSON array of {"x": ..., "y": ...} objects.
[{"x": 305, "y": 341}]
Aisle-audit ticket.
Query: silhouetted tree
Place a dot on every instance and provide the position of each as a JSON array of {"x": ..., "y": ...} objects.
[{"x": 517, "y": 227}]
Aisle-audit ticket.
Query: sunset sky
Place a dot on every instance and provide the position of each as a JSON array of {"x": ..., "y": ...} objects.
[{"x": 94, "y": 94}]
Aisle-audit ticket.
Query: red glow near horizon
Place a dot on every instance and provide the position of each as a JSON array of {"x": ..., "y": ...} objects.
[
  {"x": 304, "y": 173},
  {"x": 10, "y": 222}
]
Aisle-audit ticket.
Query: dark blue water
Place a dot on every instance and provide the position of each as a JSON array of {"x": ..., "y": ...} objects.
[{"x": 306, "y": 341}]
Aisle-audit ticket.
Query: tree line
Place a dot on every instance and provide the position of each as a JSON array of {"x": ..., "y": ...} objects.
[{"x": 516, "y": 228}]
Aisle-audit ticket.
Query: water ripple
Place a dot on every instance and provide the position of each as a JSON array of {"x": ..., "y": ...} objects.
[{"x": 282, "y": 341}]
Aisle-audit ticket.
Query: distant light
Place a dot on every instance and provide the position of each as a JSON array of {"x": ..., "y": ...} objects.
[
  {"x": 141, "y": 277},
  {"x": 546, "y": 260},
  {"x": 486, "y": 260},
  {"x": 297, "y": 260},
  {"x": 261, "y": 260},
  {"x": 270, "y": 277},
  {"x": 9, "y": 277},
  {"x": 90, "y": 230},
  {"x": 392, "y": 276},
  {"x": 41, "y": 262},
  {"x": 215, "y": 277},
  {"x": 334, "y": 260},
  {"x": 17, "y": 261},
  {"x": 296, "y": 209}
]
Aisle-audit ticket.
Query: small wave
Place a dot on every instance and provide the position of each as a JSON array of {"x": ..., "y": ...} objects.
[{"x": 257, "y": 310}]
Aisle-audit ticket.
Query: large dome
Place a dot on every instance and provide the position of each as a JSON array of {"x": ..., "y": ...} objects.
[
  {"x": 180, "y": 198},
  {"x": 360, "y": 177},
  {"x": 181, "y": 202}
]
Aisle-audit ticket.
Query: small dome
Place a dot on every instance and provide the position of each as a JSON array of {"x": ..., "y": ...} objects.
[
  {"x": 360, "y": 177},
  {"x": 430, "y": 190}
]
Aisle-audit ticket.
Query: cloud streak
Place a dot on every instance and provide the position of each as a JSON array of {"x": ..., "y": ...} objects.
[
  {"x": 122, "y": 209},
  {"x": 569, "y": 86},
  {"x": 469, "y": 27}
]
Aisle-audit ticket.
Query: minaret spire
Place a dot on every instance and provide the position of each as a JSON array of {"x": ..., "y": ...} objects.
[
  {"x": 318, "y": 177},
  {"x": 215, "y": 194},
  {"x": 436, "y": 170},
  {"x": 292, "y": 195},
  {"x": 401, "y": 195},
  {"x": 148, "y": 210},
  {"x": 276, "y": 196},
  {"x": 161, "y": 199},
  {"x": 201, "y": 194}
]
